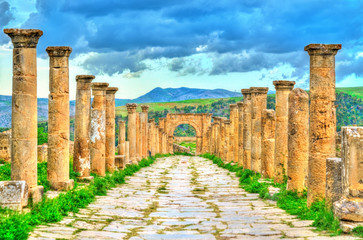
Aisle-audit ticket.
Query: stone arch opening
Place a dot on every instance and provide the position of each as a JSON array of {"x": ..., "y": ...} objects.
[{"x": 185, "y": 135}]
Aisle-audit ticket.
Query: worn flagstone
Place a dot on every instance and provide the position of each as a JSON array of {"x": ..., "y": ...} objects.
[{"x": 180, "y": 197}]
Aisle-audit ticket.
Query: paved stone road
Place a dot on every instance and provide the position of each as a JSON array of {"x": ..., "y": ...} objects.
[{"x": 180, "y": 198}]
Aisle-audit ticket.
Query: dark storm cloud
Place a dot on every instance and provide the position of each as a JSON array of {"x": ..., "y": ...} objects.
[{"x": 271, "y": 32}]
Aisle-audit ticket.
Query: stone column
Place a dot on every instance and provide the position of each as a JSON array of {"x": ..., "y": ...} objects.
[
  {"x": 144, "y": 129},
  {"x": 350, "y": 206},
  {"x": 121, "y": 137},
  {"x": 228, "y": 154},
  {"x": 322, "y": 115},
  {"x": 58, "y": 119},
  {"x": 151, "y": 137},
  {"x": 258, "y": 104},
  {"x": 131, "y": 130},
  {"x": 110, "y": 128},
  {"x": 160, "y": 133},
  {"x": 127, "y": 152},
  {"x": 170, "y": 144},
  {"x": 240, "y": 134},
  {"x": 98, "y": 129},
  {"x": 234, "y": 130},
  {"x": 283, "y": 89},
  {"x": 298, "y": 140},
  {"x": 81, "y": 156},
  {"x": 333, "y": 190},
  {"x": 268, "y": 142},
  {"x": 222, "y": 142},
  {"x": 24, "y": 108},
  {"x": 247, "y": 128},
  {"x": 138, "y": 138}
]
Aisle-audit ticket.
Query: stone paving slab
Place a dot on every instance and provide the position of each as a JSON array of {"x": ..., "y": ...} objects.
[{"x": 181, "y": 197}]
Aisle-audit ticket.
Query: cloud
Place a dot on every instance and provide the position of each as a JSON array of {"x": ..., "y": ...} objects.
[
  {"x": 5, "y": 17},
  {"x": 233, "y": 35}
]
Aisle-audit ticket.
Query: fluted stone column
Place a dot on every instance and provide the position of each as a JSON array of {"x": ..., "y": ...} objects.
[
  {"x": 322, "y": 115},
  {"x": 127, "y": 152},
  {"x": 240, "y": 134},
  {"x": 131, "y": 130},
  {"x": 283, "y": 89},
  {"x": 121, "y": 137},
  {"x": 81, "y": 156},
  {"x": 24, "y": 108},
  {"x": 98, "y": 129},
  {"x": 138, "y": 138},
  {"x": 258, "y": 103},
  {"x": 298, "y": 140},
  {"x": 247, "y": 128},
  {"x": 234, "y": 130},
  {"x": 58, "y": 119},
  {"x": 144, "y": 129},
  {"x": 268, "y": 142},
  {"x": 110, "y": 128}
]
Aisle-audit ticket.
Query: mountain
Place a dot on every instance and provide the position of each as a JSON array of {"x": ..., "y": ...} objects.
[{"x": 155, "y": 95}]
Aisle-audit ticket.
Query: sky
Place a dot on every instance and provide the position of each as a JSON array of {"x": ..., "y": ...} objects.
[{"x": 231, "y": 44}]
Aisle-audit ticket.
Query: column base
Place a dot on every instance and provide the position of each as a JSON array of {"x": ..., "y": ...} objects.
[
  {"x": 36, "y": 193},
  {"x": 62, "y": 186},
  {"x": 86, "y": 179}
]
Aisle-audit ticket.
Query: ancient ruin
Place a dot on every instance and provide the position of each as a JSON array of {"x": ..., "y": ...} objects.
[{"x": 110, "y": 128}]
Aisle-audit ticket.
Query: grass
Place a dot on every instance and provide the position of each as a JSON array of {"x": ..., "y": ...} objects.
[
  {"x": 191, "y": 145},
  {"x": 16, "y": 226},
  {"x": 292, "y": 202},
  {"x": 353, "y": 91}
]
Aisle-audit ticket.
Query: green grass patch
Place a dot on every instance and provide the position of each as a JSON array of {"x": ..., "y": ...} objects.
[
  {"x": 290, "y": 201},
  {"x": 16, "y": 226}
]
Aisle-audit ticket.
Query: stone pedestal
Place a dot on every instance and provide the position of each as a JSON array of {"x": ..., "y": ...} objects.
[
  {"x": 13, "y": 194},
  {"x": 298, "y": 140},
  {"x": 350, "y": 206},
  {"x": 110, "y": 128},
  {"x": 24, "y": 106},
  {"x": 81, "y": 156},
  {"x": 58, "y": 119},
  {"x": 247, "y": 128},
  {"x": 144, "y": 130},
  {"x": 97, "y": 129},
  {"x": 322, "y": 115},
  {"x": 120, "y": 161},
  {"x": 131, "y": 130},
  {"x": 258, "y": 104},
  {"x": 121, "y": 137},
  {"x": 283, "y": 89},
  {"x": 268, "y": 142}
]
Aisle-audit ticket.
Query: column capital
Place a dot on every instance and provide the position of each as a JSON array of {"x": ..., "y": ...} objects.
[
  {"x": 59, "y": 51},
  {"x": 24, "y": 38},
  {"x": 121, "y": 121},
  {"x": 151, "y": 120},
  {"x": 259, "y": 90},
  {"x": 233, "y": 106},
  {"x": 131, "y": 107},
  {"x": 322, "y": 49},
  {"x": 85, "y": 78},
  {"x": 111, "y": 90},
  {"x": 245, "y": 92},
  {"x": 227, "y": 121},
  {"x": 145, "y": 108},
  {"x": 99, "y": 88},
  {"x": 240, "y": 105},
  {"x": 284, "y": 84},
  {"x": 268, "y": 113}
]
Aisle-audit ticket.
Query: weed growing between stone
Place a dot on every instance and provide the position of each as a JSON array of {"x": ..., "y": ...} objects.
[
  {"x": 289, "y": 201},
  {"x": 16, "y": 226}
]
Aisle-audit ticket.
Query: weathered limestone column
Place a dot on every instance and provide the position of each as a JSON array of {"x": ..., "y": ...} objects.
[
  {"x": 121, "y": 137},
  {"x": 350, "y": 206},
  {"x": 24, "y": 108},
  {"x": 151, "y": 137},
  {"x": 138, "y": 138},
  {"x": 81, "y": 156},
  {"x": 283, "y": 89},
  {"x": 131, "y": 130},
  {"x": 144, "y": 129},
  {"x": 98, "y": 129},
  {"x": 298, "y": 140},
  {"x": 170, "y": 144},
  {"x": 268, "y": 142},
  {"x": 322, "y": 115},
  {"x": 127, "y": 152},
  {"x": 234, "y": 130},
  {"x": 333, "y": 190},
  {"x": 157, "y": 139},
  {"x": 58, "y": 119},
  {"x": 110, "y": 128},
  {"x": 240, "y": 134},
  {"x": 247, "y": 128},
  {"x": 160, "y": 134},
  {"x": 222, "y": 143},
  {"x": 228, "y": 154}
]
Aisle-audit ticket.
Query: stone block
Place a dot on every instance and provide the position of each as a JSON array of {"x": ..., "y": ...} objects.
[{"x": 13, "y": 194}]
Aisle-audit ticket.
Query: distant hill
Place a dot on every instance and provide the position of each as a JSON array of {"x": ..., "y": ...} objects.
[{"x": 155, "y": 95}]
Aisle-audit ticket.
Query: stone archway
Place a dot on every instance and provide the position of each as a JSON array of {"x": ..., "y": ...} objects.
[{"x": 199, "y": 121}]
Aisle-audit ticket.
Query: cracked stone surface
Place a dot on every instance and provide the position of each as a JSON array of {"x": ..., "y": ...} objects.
[{"x": 181, "y": 197}]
